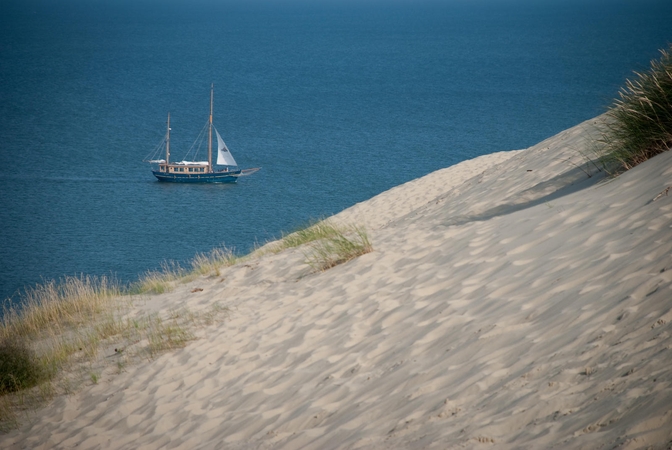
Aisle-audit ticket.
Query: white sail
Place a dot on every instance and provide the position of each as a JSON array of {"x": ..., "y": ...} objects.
[{"x": 224, "y": 156}]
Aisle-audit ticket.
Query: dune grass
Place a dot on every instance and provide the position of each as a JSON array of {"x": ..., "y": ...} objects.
[
  {"x": 53, "y": 338},
  {"x": 335, "y": 244},
  {"x": 53, "y": 322},
  {"x": 339, "y": 246},
  {"x": 313, "y": 231},
  {"x": 328, "y": 244},
  {"x": 210, "y": 263},
  {"x": 158, "y": 281},
  {"x": 19, "y": 367},
  {"x": 171, "y": 273},
  {"x": 72, "y": 301},
  {"x": 639, "y": 123}
]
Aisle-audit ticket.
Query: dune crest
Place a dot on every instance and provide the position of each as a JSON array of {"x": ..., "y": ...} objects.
[{"x": 511, "y": 301}]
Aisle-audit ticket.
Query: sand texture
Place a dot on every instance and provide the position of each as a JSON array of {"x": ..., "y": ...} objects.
[{"x": 510, "y": 302}]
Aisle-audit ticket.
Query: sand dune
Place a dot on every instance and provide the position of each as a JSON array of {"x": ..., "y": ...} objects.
[{"x": 511, "y": 301}]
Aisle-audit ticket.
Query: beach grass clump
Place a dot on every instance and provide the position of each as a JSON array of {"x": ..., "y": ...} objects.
[
  {"x": 55, "y": 336},
  {"x": 165, "y": 335},
  {"x": 56, "y": 320},
  {"x": 171, "y": 273},
  {"x": 329, "y": 243},
  {"x": 340, "y": 245},
  {"x": 314, "y": 231},
  {"x": 639, "y": 124},
  {"x": 158, "y": 281},
  {"x": 71, "y": 301},
  {"x": 210, "y": 263},
  {"x": 19, "y": 366}
]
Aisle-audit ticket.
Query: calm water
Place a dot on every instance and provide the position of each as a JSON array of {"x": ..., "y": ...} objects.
[{"x": 336, "y": 102}]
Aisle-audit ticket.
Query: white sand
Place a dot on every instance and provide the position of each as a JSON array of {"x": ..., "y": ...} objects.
[{"x": 511, "y": 302}]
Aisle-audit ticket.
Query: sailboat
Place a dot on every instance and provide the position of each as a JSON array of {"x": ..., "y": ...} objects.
[{"x": 199, "y": 171}]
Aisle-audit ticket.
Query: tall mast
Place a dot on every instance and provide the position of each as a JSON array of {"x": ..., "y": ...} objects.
[
  {"x": 212, "y": 88},
  {"x": 168, "y": 143}
]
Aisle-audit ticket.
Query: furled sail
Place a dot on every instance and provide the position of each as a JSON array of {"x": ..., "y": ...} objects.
[{"x": 224, "y": 156}]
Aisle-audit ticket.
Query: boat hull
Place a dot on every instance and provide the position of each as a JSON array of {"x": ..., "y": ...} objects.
[{"x": 215, "y": 177}]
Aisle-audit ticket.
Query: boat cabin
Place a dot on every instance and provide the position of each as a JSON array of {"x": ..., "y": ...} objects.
[{"x": 183, "y": 169}]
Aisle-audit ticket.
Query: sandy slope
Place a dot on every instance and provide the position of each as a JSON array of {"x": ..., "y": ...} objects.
[{"x": 511, "y": 302}]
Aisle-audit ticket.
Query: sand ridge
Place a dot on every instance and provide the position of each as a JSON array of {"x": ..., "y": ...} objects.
[{"x": 511, "y": 301}]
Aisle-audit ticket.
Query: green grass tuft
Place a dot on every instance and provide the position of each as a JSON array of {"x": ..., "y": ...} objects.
[
  {"x": 171, "y": 273},
  {"x": 329, "y": 243},
  {"x": 57, "y": 339},
  {"x": 19, "y": 367},
  {"x": 314, "y": 231},
  {"x": 639, "y": 124},
  {"x": 164, "y": 335},
  {"x": 158, "y": 281},
  {"x": 340, "y": 245},
  {"x": 72, "y": 301},
  {"x": 210, "y": 263},
  {"x": 53, "y": 339}
]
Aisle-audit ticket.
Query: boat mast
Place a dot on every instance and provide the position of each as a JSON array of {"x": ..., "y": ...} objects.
[
  {"x": 168, "y": 143},
  {"x": 212, "y": 88}
]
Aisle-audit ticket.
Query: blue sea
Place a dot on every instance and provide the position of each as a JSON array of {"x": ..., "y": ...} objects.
[{"x": 336, "y": 101}]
